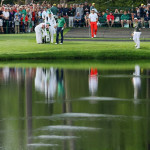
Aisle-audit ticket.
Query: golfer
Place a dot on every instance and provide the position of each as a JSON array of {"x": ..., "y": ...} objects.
[
  {"x": 93, "y": 19},
  {"x": 39, "y": 30},
  {"x": 137, "y": 33},
  {"x": 60, "y": 28}
]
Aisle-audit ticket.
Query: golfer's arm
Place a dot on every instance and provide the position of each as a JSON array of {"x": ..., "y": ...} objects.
[{"x": 65, "y": 25}]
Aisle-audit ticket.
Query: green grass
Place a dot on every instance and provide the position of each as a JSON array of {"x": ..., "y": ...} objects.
[{"x": 23, "y": 46}]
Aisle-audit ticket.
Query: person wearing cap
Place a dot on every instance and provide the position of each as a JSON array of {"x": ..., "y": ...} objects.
[
  {"x": 110, "y": 18},
  {"x": 17, "y": 22},
  {"x": 39, "y": 30},
  {"x": 92, "y": 7},
  {"x": 137, "y": 33},
  {"x": 52, "y": 27},
  {"x": 60, "y": 28},
  {"x": 54, "y": 10},
  {"x": 93, "y": 19},
  {"x": 44, "y": 14}
]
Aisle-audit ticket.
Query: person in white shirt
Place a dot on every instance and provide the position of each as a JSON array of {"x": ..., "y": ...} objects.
[
  {"x": 93, "y": 19},
  {"x": 39, "y": 30},
  {"x": 44, "y": 14},
  {"x": 6, "y": 14},
  {"x": 52, "y": 28},
  {"x": 6, "y": 20}
]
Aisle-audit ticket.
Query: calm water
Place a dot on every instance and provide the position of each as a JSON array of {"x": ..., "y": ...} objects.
[{"x": 64, "y": 109}]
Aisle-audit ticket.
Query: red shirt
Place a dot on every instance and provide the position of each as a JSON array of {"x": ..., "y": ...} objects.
[{"x": 110, "y": 17}]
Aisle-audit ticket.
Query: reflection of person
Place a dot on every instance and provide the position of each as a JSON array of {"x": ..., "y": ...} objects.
[
  {"x": 39, "y": 29},
  {"x": 52, "y": 83},
  {"x": 93, "y": 81},
  {"x": 60, "y": 82},
  {"x": 136, "y": 81}
]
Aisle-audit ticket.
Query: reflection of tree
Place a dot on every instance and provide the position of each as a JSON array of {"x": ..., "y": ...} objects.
[
  {"x": 28, "y": 88},
  {"x": 20, "y": 81},
  {"x": 67, "y": 108}
]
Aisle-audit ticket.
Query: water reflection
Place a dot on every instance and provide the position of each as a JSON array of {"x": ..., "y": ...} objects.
[
  {"x": 48, "y": 108},
  {"x": 93, "y": 81},
  {"x": 136, "y": 82}
]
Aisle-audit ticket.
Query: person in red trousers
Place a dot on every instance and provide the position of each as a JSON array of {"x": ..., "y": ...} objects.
[{"x": 93, "y": 19}]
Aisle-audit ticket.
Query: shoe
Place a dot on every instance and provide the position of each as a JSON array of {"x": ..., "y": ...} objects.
[
  {"x": 94, "y": 35},
  {"x": 61, "y": 43},
  {"x": 56, "y": 43},
  {"x": 135, "y": 45}
]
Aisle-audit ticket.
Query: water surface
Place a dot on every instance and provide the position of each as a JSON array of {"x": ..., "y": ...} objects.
[{"x": 74, "y": 109}]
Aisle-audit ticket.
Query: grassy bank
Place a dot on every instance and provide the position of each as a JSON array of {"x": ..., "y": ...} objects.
[
  {"x": 77, "y": 64},
  {"x": 23, "y": 46}
]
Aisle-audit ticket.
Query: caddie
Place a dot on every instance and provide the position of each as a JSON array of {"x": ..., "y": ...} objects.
[
  {"x": 39, "y": 29},
  {"x": 52, "y": 27}
]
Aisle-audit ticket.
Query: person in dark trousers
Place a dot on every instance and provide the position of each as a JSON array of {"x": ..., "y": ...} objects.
[{"x": 60, "y": 28}]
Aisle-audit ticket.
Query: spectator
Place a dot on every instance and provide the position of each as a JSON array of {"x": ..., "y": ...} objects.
[
  {"x": 105, "y": 14},
  {"x": 17, "y": 21},
  {"x": 54, "y": 10},
  {"x": 44, "y": 13},
  {"x": 116, "y": 11},
  {"x": 87, "y": 19},
  {"x": 110, "y": 19},
  {"x": 6, "y": 20},
  {"x": 80, "y": 10},
  {"x": 86, "y": 8},
  {"x": 147, "y": 20},
  {"x": 125, "y": 19},
  {"x": 77, "y": 20},
  {"x": 142, "y": 14},
  {"x": 1, "y": 20},
  {"x": 71, "y": 13},
  {"x": 102, "y": 20},
  {"x": 65, "y": 14}
]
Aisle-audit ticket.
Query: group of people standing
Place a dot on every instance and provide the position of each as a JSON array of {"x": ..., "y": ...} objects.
[{"x": 56, "y": 24}]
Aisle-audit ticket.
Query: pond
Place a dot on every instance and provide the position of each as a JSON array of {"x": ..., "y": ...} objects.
[{"x": 74, "y": 109}]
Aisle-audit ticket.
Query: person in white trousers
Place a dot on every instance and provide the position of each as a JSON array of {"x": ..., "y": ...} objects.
[
  {"x": 39, "y": 29},
  {"x": 137, "y": 33},
  {"x": 52, "y": 27}
]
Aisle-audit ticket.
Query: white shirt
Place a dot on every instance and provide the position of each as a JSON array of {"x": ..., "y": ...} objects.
[
  {"x": 6, "y": 14},
  {"x": 93, "y": 17},
  {"x": 52, "y": 21},
  {"x": 44, "y": 14}
]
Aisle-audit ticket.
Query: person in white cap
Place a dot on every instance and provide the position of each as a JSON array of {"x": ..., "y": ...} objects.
[
  {"x": 52, "y": 27},
  {"x": 39, "y": 30},
  {"x": 137, "y": 33},
  {"x": 93, "y": 19}
]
